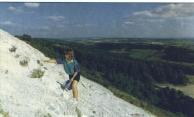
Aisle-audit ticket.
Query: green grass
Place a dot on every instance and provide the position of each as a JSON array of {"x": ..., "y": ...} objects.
[
  {"x": 145, "y": 54},
  {"x": 2, "y": 112},
  {"x": 151, "y": 108},
  {"x": 48, "y": 115},
  {"x": 190, "y": 79},
  {"x": 187, "y": 88},
  {"x": 185, "y": 43},
  {"x": 37, "y": 73},
  {"x": 24, "y": 63}
]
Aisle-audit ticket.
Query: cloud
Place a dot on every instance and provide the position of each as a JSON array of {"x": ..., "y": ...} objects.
[
  {"x": 44, "y": 28},
  {"x": 169, "y": 11},
  {"x": 11, "y": 8},
  {"x": 143, "y": 13},
  {"x": 15, "y": 9},
  {"x": 56, "y": 18},
  {"x": 128, "y": 22},
  {"x": 7, "y": 23},
  {"x": 32, "y": 5},
  {"x": 84, "y": 25}
]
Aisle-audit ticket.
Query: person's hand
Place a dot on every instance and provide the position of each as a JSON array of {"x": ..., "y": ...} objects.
[{"x": 71, "y": 80}]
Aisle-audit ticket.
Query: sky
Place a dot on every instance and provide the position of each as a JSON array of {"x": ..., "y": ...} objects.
[{"x": 79, "y": 20}]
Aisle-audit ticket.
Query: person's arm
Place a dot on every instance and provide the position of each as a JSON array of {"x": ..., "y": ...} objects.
[
  {"x": 77, "y": 70},
  {"x": 50, "y": 61},
  {"x": 74, "y": 75}
]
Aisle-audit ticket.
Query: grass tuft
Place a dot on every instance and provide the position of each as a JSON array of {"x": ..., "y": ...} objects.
[{"x": 37, "y": 73}]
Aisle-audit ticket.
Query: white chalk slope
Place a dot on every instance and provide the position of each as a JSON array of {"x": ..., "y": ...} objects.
[{"x": 23, "y": 96}]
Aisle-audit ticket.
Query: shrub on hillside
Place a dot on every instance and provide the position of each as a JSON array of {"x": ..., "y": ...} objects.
[
  {"x": 37, "y": 73},
  {"x": 3, "y": 113},
  {"x": 39, "y": 62},
  {"x": 24, "y": 62},
  {"x": 17, "y": 56},
  {"x": 48, "y": 115},
  {"x": 12, "y": 49}
]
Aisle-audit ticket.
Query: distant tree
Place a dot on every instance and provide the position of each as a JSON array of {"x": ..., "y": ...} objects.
[{"x": 26, "y": 36}]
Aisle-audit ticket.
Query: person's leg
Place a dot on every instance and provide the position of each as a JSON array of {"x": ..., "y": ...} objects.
[{"x": 74, "y": 89}]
